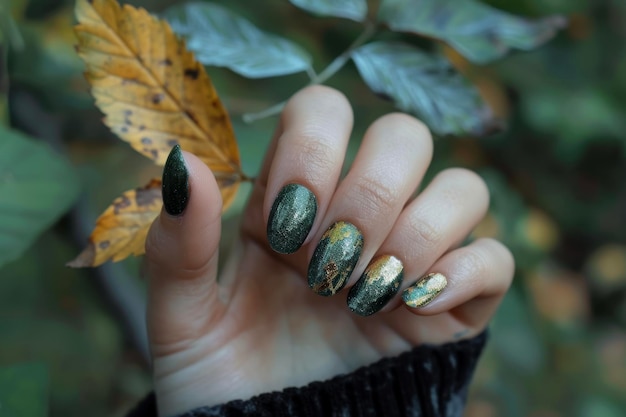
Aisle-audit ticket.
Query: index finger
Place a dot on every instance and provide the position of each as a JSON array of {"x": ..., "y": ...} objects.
[{"x": 306, "y": 165}]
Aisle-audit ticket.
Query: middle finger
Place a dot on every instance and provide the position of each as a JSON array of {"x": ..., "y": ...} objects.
[{"x": 394, "y": 155}]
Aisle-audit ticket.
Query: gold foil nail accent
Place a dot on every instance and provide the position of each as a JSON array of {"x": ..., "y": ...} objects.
[
  {"x": 425, "y": 290},
  {"x": 379, "y": 283}
]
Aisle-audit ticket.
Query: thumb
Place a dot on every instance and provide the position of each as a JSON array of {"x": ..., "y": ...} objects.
[{"x": 182, "y": 255}]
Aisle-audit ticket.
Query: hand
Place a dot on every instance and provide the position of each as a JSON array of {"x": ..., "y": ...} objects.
[{"x": 258, "y": 326}]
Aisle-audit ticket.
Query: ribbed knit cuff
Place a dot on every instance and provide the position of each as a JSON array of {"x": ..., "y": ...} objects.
[{"x": 427, "y": 381}]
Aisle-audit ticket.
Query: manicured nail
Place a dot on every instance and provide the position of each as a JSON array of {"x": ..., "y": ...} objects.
[
  {"x": 334, "y": 258},
  {"x": 425, "y": 290},
  {"x": 378, "y": 284},
  {"x": 175, "y": 186},
  {"x": 291, "y": 218}
]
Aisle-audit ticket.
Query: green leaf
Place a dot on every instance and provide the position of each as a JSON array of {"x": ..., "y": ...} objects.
[
  {"x": 36, "y": 187},
  {"x": 24, "y": 390},
  {"x": 477, "y": 31},
  {"x": 221, "y": 38},
  {"x": 425, "y": 85},
  {"x": 348, "y": 9}
]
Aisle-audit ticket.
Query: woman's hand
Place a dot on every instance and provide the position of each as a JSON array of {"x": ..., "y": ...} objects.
[{"x": 260, "y": 326}]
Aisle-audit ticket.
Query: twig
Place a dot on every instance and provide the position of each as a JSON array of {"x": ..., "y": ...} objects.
[{"x": 322, "y": 77}]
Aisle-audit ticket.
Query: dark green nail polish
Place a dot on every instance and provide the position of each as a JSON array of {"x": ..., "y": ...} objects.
[
  {"x": 378, "y": 284},
  {"x": 425, "y": 290},
  {"x": 175, "y": 186},
  {"x": 291, "y": 218},
  {"x": 334, "y": 258}
]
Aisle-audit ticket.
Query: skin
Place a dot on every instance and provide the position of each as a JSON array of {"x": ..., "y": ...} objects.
[{"x": 258, "y": 327}]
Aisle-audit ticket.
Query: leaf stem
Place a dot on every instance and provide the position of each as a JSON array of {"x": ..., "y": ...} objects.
[
  {"x": 311, "y": 72},
  {"x": 322, "y": 77},
  {"x": 341, "y": 60},
  {"x": 270, "y": 111}
]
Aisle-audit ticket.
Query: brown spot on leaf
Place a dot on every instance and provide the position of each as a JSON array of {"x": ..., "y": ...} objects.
[
  {"x": 157, "y": 98},
  {"x": 104, "y": 244},
  {"x": 172, "y": 142},
  {"x": 120, "y": 204},
  {"x": 145, "y": 197},
  {"x": 166, "y": 62},
  {"x": 192, "y": 73},
  {"x": 146, "y": 141},
  {"x": 142, "y": 127}
]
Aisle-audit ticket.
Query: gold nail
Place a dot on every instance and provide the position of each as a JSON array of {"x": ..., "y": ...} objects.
[
  {"x": 379, "y": 283},
  {"x": 425, "y": 290}
]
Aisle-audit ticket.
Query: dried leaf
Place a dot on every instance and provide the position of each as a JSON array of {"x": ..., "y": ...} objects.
[
  {"x": 221, "y": 38},
  {"x": 479, "y": 32},
  {"x": 122, "y": 229},
  {"x": 154, "y": 95},
  {"x": 349, "y": 9},
  {"x": 425, "y": 85},
  {"x": 152, "y": 90}
]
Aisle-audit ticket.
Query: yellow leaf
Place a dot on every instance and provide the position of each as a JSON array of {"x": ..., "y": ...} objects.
[
  {"x": 122, "y": 229},
  {"x": 152, "y": 90},
  {"x": 154, "y": 95}
]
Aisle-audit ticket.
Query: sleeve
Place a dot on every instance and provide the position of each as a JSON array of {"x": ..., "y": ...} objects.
[{"x": 428, "y": 381}]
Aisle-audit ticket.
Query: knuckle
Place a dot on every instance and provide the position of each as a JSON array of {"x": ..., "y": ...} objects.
[
  {"x": 315, "y": 156},
  {"x": 426, "y": 235},
  {"x": 489, "y": 264},
  {"x": 375, "y": 195},
  {"x": 504, "y": 256},
  {"x": 473, "y": 263}
]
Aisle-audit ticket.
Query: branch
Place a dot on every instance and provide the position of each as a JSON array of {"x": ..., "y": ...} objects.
[{"x": 322, "y": 77}]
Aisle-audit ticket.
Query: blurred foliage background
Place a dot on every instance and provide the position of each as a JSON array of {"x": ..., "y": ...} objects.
[{"x": 72, "y": 340}]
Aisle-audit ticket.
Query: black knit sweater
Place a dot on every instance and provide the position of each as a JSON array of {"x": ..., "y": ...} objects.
[{"x": 428, "y": 381}]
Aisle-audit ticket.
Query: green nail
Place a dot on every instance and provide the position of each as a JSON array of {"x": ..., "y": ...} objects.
[
  {"x": 334, "y": 258},
  {"x": 175, "y": 187},
  {"x": 291, "y": 218},
  {"x": 378, "y": 284},
  {"x": 425, "y": 290}
]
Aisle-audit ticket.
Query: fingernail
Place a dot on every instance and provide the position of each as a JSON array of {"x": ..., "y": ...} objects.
[
  {"x": 425, "y": 290},
  {"x": 378, "y": 284},
  {"x": 334, "y": 258},
  {"x": 291, "y": 218},
  {"x": 175, "y": 186}
]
